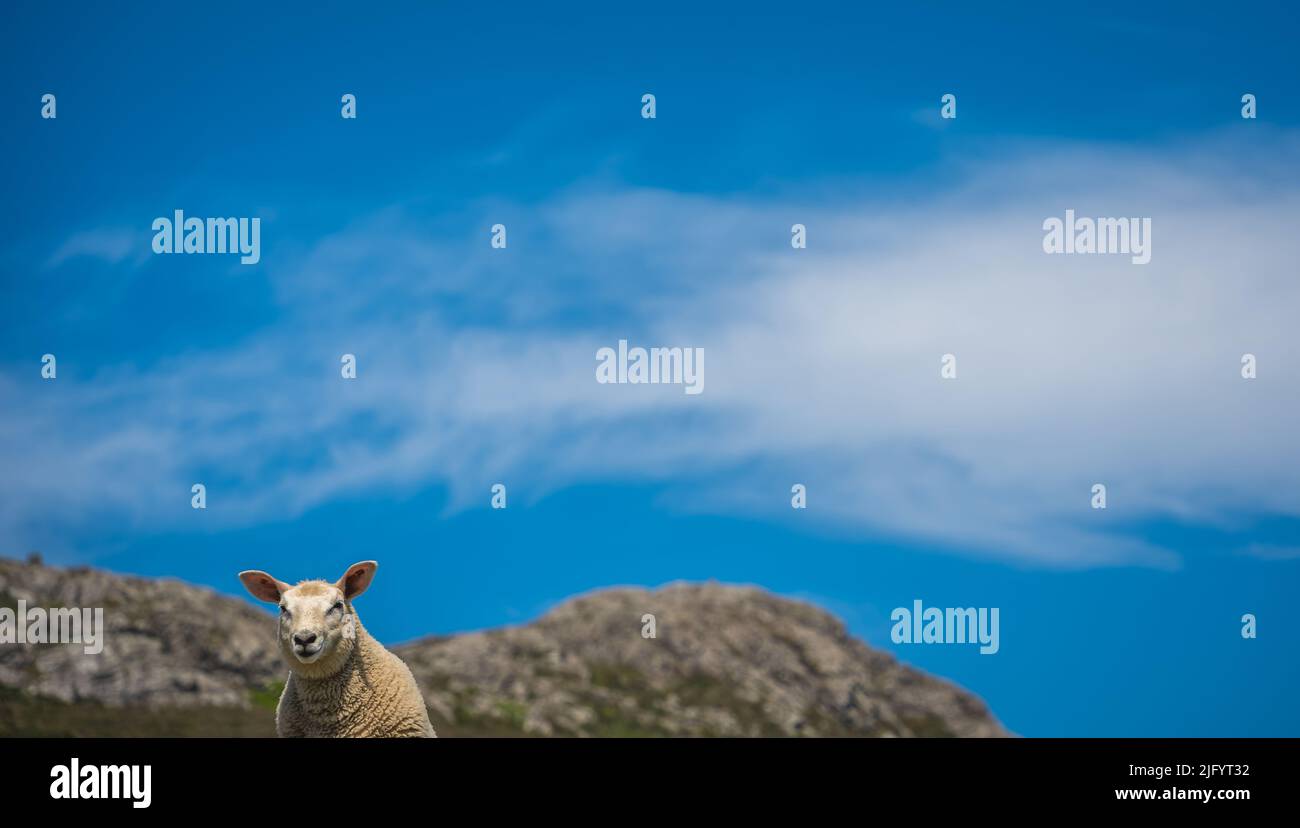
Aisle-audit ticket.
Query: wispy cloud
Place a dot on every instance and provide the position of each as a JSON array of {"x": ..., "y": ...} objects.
[
  {"x": 110, "y": 245},
  {"x": 822, "y": 366},
  {"x": 1272, "y": 553}
]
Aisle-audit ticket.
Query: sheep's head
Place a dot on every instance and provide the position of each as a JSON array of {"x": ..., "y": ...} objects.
[{"x": 318, "y": 626}]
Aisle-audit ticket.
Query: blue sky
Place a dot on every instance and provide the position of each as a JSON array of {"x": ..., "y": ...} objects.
[{"x": 475, "y": 365}]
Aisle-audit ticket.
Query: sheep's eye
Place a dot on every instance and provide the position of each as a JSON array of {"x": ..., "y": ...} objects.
[
  {"x": 338, "y": 607},
  {"x": 284, "y": 610}
]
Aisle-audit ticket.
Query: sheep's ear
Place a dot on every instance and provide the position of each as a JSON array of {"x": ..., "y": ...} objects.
[
  {"x": 262, "y": 585},
  {"x": 357, "y": 579}
]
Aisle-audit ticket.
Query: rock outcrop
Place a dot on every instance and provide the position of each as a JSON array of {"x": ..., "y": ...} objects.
[{"x": 725, "y": 661}]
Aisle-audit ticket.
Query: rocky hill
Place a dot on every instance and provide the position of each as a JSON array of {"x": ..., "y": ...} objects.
[{"x": 725, "y": 661}]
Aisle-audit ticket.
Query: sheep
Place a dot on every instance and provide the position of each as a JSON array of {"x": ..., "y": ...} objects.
[{"x": 342, "y": 682}]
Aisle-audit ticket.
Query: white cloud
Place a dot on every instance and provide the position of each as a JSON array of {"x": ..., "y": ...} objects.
[
  {"x": 109, "y": 245},
  {"x": 822, "y": 366},
  {"x": 1272, "y": 553}
]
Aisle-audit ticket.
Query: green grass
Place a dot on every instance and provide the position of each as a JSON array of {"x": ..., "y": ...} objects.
[
  {"x": 513, "y": 713},
  {"x": 22, "y": 715},
  {"x": 608, "y": 695},
  {"x": 268, "y": 697}
]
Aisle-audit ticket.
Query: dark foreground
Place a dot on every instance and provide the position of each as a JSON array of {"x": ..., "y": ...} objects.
[{"x": 589, "y": 780}]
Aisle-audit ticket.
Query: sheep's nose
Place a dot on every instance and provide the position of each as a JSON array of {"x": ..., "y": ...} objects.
[{"x": 303, "y": 639}]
